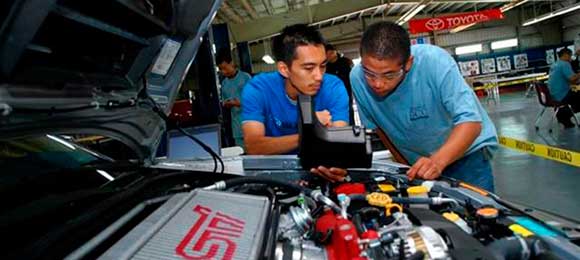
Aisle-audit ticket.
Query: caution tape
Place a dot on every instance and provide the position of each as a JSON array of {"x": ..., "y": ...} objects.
[{"x": 548, "y": 152}]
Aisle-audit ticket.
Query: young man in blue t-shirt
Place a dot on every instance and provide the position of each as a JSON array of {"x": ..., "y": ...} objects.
[
  {"x": 269, "y": 110},
  {"x": 561, "y": 77},
  {"x": 418, "y": 97}
]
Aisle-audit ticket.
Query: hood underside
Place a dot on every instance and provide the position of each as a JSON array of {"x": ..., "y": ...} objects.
[{"x": 96, "y": 66}]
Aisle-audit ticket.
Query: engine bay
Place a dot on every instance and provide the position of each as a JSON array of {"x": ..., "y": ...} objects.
[{"x": 374, "y": 216}]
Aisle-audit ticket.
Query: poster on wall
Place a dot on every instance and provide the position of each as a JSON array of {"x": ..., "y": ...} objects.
[
  {"x": 503, "y": 63},
  {"x": 550, "y": 57},
  {"x": 421, "y": 40},
  {"x": 469, "y": 68},
  {"x": 521, "y": 61},
  {"x": 488, "y": 65}
]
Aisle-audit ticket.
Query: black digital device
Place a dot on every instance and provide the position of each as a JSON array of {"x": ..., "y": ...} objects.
[{"x": 343, "y": 147}]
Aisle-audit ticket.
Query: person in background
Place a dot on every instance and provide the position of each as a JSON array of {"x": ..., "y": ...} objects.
[
  {"x": 270, "y": 112},
  {"x": 576, "y": 62},
  {"x": 231, "y": 92},
  {"x": 340, "y": 66},
  {"x": 561, "y": 77},
  {"x": 418, "y": 97}
]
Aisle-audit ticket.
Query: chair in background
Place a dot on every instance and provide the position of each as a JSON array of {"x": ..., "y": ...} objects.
[{"x": 546, "y": 100}]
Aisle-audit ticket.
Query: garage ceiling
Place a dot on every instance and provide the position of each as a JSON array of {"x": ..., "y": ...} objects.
[{"x": 253, "y": 20}]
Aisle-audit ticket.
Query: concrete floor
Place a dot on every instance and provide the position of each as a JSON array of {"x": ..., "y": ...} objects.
[{"x": 528, "y": 179}]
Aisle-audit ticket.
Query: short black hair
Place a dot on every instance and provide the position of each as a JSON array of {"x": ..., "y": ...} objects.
[
  {"x": 386, "y": 40},
  {"x": 564, "y": 51},
  {"x": 329, "y": 47},
  {"x": 284, "y": 45},
  {"x": 223, "y": 55}
]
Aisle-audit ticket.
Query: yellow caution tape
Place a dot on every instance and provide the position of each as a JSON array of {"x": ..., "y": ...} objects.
[{"x": 548, "y": 152}]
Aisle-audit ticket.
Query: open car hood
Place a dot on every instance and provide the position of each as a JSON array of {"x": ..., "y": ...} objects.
[{"x": 96, "y": 66}]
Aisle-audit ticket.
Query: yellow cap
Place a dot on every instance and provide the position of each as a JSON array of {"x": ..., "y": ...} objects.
[
  {"x": 387, "y": 188},
  {"x": 517, "y": 229},
  {"x": 378, "y": 199},
  {"x": 451, "y": 216},
  {"x": 416, "y": 190}
]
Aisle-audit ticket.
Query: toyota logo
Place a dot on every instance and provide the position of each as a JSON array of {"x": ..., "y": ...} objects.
[{"x": 435, "y": 24}]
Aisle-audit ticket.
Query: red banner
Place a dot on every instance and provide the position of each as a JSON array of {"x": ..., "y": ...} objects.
[{"x": 452, "y": 21}]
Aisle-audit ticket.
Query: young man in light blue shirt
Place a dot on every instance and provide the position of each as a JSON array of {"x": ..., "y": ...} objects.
[
  {"x": 561, "y": 77},
  {"x": 418, "y": 97},
  {"x": 231, "y": 92},
  {"x": 270, "y": 111}
]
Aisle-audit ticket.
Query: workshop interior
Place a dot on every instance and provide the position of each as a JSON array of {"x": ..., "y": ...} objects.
[{"x": 116, "y": 141}]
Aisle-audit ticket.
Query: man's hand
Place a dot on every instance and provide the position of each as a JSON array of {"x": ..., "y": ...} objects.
[
  {"x": 324, "y": 117},
  {"x": 332, "y": 174},
  {"x": 425, "y": 168},
  {"x": 228, "y": 103},
  {"x": 236, "y": 103}
]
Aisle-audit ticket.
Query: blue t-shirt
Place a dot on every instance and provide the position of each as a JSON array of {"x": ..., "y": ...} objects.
[
  {"x": 558, "y": 82},
  {"x": 232, "y": 89},
  {"x": 264, "y": 99},
  {"x": 420, "y": 114}
]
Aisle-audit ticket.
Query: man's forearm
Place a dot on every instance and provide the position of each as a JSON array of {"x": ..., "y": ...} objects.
[
  {"x": 460, "y": 139},
  {"x": 271, "y": 145},
  {"x": 574, "y": 78},
  {"x": 339, "y": 123}
]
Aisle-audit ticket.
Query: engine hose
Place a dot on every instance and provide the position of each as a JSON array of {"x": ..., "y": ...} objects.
[
  {"x": 412, "y": 200},
  {"x": 511, "y": 248},
  {"x": 358, "y": 223},
  {"x": 222, "y": 185},
  {"x": 401, "y": 200},
  {"x": 315, "y": 194}
]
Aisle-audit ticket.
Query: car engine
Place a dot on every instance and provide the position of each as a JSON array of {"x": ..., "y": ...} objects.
[{"x": 376, "y": 217}]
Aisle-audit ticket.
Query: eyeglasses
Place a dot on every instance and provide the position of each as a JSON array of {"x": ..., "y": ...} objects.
[{"x": 387, "y": 76}]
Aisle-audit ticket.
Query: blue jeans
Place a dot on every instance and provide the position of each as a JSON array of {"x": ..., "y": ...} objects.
[{"x": 474, "y": 168}]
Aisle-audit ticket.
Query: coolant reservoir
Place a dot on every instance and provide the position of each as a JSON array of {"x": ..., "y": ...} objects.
[
  {"x": 451, "y": 216},
  {"x": 418, "y": 192}
]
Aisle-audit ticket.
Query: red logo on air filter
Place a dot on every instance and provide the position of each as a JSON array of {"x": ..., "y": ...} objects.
[{"x": 213, "y": 233}]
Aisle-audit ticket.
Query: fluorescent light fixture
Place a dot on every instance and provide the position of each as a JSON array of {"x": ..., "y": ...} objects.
[
  {"x": 503, "y": 9},
  {"x": 63, "y": 142},
  {"x": 461, "y": 28},
  {"x": 512, "y": 5},
  {"x": 106, "y": 175},
  {"x": 410, "y": 14},
  {"x": 268, "y": 59},
  {"x": 553, "y": 14},
  {"x": 504, "y": 44},
  {"x": 468, "y": 49}
]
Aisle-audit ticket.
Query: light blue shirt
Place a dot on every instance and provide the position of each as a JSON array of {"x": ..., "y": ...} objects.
[
  {"x": 558, "y": 83},
  {"x": 232, "y": 89},
  {"x": 420, "y": 114}
]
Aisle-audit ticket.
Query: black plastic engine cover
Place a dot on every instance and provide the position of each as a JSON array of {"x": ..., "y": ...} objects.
[
  {"x": 344, "y": 147},
  {"x": 463, "y": 246}
]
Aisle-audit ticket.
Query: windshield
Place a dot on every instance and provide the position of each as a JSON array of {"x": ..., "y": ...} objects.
[
  {"x": 38, "y": 155},
  {"x": 34, "y": 167}
]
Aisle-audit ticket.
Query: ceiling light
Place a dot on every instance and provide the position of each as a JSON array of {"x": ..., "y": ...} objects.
[
  {"x": 512, "y": 5},
  {"x": 268, "y": 59},
  {"x": 553, "y": 14},
  {"x": 461, "y": 28},
  {"x": 410, "y": 14},
  {"x": 468, "y": 49},
  {"x": 504, "y": 44}
]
